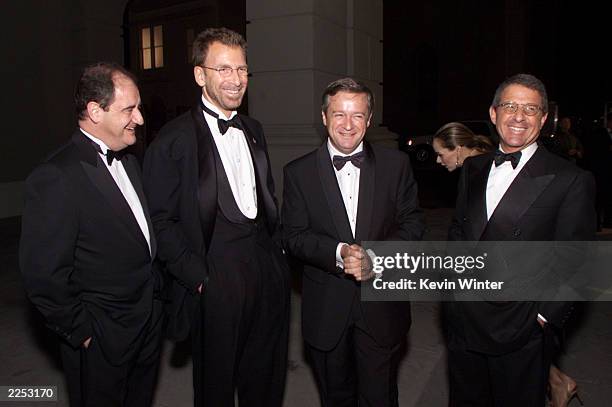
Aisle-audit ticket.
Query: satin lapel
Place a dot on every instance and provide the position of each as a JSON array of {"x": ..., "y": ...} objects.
[
  {"x": 330, "y": 187},
  {"x": 524, "y": 190},
  {"x": 477, "y": 196},
  {"x": 367, "y": 175},
  {"x": 260, "y": 162},
  {"x": 207, "y": 175},
  {"x": 102, "y": 179},
  {"x": 130, "y": 164}
]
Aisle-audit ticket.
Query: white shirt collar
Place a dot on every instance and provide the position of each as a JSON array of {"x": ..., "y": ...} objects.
[
  {"x": 216, "y": 109},
  {"x": 96, "y": 140},
  {"x": 334, "y": 151}
]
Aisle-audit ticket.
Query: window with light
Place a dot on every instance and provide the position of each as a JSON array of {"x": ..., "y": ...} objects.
[{"x": 152, "y": 47}]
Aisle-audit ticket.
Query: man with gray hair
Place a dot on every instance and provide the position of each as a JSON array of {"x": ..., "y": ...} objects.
[{"x": 500, "y": 352}]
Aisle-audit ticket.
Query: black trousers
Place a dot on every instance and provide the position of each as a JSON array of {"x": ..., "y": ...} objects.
[
  {"x": 358, "y": 371},
  {"x": 94, "y": 382},
  {"x": 241, "y": 335},
  {"x": 515, "y": 379}
]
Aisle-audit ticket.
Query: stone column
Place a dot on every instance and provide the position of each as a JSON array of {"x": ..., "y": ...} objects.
[{"x": 295, "y": 49}]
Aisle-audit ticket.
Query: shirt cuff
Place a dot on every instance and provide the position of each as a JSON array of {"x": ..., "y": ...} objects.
[
  {"x": 339, "y": 259},
  {"x": 377, "y": 273},
  {"x": 540, "y": 317}
]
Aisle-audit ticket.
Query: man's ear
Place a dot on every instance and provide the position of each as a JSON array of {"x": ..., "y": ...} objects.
[
  {"x": 94, "y": 111},
  {"x": 324, "y": 118},
  {"x": 543, "y": 120},
  {"x": 199, "y": 76},
  {"x": 369, "y": 120},
  {"x": 493, "y": 115}
]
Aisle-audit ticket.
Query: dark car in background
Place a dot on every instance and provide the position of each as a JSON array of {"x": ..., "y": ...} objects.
[{"x": 422, "y": 154}]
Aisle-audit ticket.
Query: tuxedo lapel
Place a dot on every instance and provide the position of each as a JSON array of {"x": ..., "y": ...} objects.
[
  {"x": 99, "y": 175},
  {"x": 332, "y": 193},
  {"x": 130, "y": 163},
  {"x": 207, "y": 174},
  {"x": 367, "y": 175},
  {"x": 260, "y": 162},
  {"x": 477, "y": 198},
  {"x": 524, "y": 190}
]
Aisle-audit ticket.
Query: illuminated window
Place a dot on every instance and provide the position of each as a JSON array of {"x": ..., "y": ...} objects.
[{"x": 152, "y": 47}]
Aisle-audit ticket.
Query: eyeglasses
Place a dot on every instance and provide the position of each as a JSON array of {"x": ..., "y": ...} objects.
[
  {"x": 511, "y": 108},
  {"x": 226, "y": 71}
]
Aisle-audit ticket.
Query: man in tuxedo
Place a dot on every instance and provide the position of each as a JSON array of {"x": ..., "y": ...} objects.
[
  {"x": 345, "y": 192},
  {"x": 499, "y": 353},
  {"x": 87, "y": 248},
  {"x": 209, "y": 184}
]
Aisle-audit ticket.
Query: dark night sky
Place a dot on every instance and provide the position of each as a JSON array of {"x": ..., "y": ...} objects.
[
  {"x": 583, "y": 74},
  {"x": 443, "y": 59}
]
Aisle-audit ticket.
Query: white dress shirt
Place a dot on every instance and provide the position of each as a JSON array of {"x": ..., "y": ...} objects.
[
  {"x": 122, "y": 180},
  {"x": 348, "y": 181},
  {"x": 501, "y": 177},
  {"x": 237, "y": 161}
]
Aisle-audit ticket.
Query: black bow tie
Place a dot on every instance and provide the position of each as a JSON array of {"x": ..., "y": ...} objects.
[
  {"x": 224, "y": 125},
  {"x": 356, "y": 159},
  {"x": 110, "y": 154},
  {"x": 501, "y": 157}
]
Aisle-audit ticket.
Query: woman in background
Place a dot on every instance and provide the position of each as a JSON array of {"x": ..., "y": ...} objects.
[{"x": 453, "y": 143}]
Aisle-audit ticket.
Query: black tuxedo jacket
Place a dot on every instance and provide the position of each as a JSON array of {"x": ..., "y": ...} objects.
[
  {"x": 550, "y": 200},
  {"x": 180, "y": 179},
  {"x": 85, "y": 262},
  {"x": 315, "y": 221}
]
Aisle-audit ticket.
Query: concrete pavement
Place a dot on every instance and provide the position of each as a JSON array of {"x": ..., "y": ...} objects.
[{"x": 28, "y": 351}]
